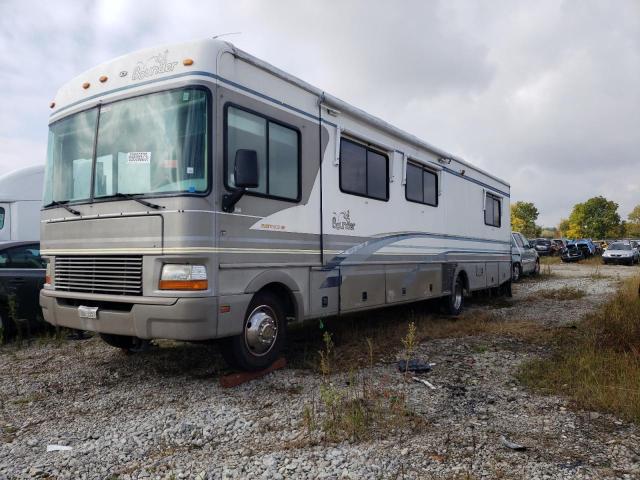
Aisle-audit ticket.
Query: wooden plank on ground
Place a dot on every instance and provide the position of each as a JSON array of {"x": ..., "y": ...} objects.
[{"x": 235, "y": 379}]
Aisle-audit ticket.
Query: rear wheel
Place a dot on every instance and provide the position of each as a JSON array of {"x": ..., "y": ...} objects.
[
  {"x": 125, "y": 342},
  {"x": 516, "y": 272},
  {"x": 536, "y": 269},
  {"x": 263, "y": 335},
  {"x": 454, "y": 302}
]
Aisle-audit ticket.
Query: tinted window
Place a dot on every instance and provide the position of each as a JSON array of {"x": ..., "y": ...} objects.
[
  {"x": 25, "y": 256},
  {"x": 492, "y": 211},
  {"x": 414, "y": 191},
  {"x": 519, "y": 241},
  {"x": 353, "y": 167},
  {"x": 363, "y": 171},
  {"x": 376, "y": 175},
  {"x": 422, "y": 185},
  {"x": 276, "y": 147},
  {"x": 1, "y": 218}
]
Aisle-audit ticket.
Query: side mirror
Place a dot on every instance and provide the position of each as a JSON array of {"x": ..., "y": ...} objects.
[
  {"x": 245, "y": 174},
  {"x": 245, "y": 169}
]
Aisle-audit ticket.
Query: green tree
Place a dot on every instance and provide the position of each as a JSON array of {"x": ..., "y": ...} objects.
[
  {"x": 563, "y": 227},
  {"x": 595, "y": 218},
  {"x": 523, "y": 219},
  {"x": 632, "y": 227}
]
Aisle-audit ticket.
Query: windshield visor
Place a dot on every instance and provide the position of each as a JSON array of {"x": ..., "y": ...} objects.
[{"x": 149, "y": 145}]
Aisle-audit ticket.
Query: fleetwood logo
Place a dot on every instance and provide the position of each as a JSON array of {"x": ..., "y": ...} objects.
[
  {"x": 342, "y": 221},
  {"x": 155, "y": 65}
]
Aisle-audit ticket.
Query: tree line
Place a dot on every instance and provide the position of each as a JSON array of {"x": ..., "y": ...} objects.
[{"x": 595, "y": 218}]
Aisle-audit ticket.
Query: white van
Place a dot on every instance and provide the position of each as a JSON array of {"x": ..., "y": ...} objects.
[
  {"x": 20, "y": 202},
  {"x": 524, "y": 258}
]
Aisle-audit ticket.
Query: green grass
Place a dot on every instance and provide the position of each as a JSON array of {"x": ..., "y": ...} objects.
[{"x": 597, "y": 364}]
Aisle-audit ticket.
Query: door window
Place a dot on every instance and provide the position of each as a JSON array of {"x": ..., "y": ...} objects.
[{"x": 24, "y": 256}]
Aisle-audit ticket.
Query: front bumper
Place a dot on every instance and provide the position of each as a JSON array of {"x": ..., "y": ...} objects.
[
  {"x": 627, "y": 260},
  {"x": 185, "y": 318}
]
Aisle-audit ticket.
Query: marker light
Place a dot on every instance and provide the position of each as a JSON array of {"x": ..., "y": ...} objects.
[
  {"x": 103, "y": 78},
  {"x": 86, "y": 85},
  {"x": 183, "y": 277},
  {"x": 52, "y": 104},
  {"x": 187, "y": 62}
]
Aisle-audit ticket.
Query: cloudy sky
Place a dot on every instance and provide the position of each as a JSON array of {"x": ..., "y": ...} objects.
[{"x": 545, "y": 94}]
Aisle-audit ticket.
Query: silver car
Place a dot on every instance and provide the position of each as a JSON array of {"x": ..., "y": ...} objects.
[
  {"x": 524, "y": 258},
  {"x": 621, "y": 252}
]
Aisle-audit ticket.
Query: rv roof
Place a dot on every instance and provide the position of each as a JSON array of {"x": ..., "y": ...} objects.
[
  {"x": 22, "y": 184},
  {"x": 165, "y": 62}
]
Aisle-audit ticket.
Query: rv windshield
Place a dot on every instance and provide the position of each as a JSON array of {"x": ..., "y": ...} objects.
[{"x": 148, "y": 145}]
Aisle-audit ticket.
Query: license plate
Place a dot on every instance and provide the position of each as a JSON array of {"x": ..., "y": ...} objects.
[{"x": 90, "y": 313}]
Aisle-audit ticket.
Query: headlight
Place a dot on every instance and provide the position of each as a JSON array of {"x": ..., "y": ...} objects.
[{"x": 183, "y": 277}]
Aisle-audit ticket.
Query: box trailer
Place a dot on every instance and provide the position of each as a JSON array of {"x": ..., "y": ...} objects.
[
  {"x": 20, "y": 203},
  {"x": 195, "y": 192}
]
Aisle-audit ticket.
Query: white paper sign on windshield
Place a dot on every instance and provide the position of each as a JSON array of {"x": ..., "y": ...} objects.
[{"x": 139, "y": 158}]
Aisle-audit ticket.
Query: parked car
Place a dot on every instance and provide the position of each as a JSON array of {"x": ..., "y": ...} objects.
[
  {"x": 524, "y": 258},
  {"x": 557, "y": 245},
  {"x": 621, "y": 252},
  {"x": 543, "y": 246},
  {"x": 22, "y": 273},
  {"x": 587, "y": 247},
  {"x": 571, "y": 253}
]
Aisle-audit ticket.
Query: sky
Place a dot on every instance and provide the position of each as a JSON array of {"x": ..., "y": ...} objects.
[{"x": 544, "y": 94}]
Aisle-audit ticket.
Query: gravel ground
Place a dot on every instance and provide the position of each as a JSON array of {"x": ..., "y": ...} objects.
[{"x": 162, "y": 414}]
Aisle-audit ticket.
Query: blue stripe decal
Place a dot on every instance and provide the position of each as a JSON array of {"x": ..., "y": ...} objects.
[{"x": 253, "y": 92}]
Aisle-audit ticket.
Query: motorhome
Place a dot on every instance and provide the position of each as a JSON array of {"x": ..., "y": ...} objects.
[
  {"x": 195, "y": 192},
  {"x": 20, "y": 203}
]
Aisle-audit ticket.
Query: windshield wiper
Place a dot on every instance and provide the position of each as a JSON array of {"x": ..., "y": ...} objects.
[
  {"x": 139, "y": 200},
  {"x": 64, "y": 205}
]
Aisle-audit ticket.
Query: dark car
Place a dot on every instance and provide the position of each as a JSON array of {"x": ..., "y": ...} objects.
[
  {"x": 571, "y": 253},
  {"x": 542, "y": 246},
  {"x": 22, "y": 273}
]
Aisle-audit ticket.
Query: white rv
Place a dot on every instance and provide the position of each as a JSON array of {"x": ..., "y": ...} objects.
[
  {"x": 196, "y": 192},
  {"x": 20, "y": 202}
]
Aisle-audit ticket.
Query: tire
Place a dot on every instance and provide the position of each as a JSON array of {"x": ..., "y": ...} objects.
[
  {"x": 7, "y": 327},
  {"x": 125, "y": 342},
  {"x": 263, "y": 335},
  {"x": 516, "y": 272},
  {"x": 454, "y": 302},
  {"x": 536, "y": 269}
]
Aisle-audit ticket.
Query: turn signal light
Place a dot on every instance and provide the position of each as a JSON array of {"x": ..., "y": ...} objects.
[
  {"x": 86, "y": 85},
  {"x": 184, "y": 284},
  {"x": 187, "y": 62}
]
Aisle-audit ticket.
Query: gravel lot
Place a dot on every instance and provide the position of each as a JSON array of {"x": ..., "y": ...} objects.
[{"x": 162, "y": 414}]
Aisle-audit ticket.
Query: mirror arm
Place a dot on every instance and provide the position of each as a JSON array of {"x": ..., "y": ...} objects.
[{"x": 229, "y": 200}]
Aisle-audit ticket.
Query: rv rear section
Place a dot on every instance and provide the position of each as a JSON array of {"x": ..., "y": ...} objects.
[{"x": 194, "y": 192}]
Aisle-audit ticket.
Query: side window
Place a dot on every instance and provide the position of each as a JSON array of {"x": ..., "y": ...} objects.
[
  {"x": 2, "y": 212},
  {"x": 277, "y": 147},
  {"x": 24, "y": 256},
  {"x": 422, "y": 185},
  {"x": 492, "y": 210},
  {"x": 363, "y": 171}
]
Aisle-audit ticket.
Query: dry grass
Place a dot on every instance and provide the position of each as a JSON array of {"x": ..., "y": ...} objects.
[
  {"x": 379, "y": 334},
  {"x": 598, "y": 364},
  {"x": 561, "y": 294},
  {"x": 550, "y": 260}
]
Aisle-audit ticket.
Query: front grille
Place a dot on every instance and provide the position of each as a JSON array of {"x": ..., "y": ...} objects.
[{"x": 104, "y": 274}]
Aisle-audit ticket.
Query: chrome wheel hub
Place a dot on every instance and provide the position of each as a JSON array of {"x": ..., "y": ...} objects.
[
  {"x": 457, "y": 301},
  {"x": 261, "y": 331}
]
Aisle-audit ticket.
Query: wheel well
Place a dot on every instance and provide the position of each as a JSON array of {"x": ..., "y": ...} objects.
[{"x": 285, "y": 295}]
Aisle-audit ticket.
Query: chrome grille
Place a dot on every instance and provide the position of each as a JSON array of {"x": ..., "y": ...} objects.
[{"x": 104, "y": 274}]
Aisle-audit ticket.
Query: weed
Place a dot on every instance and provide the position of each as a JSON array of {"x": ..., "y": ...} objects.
[
  {"x": 561, "y": 294},
  {"x": 598, "y": 363}
]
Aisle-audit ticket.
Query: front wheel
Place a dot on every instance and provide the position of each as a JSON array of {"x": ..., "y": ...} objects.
[
  {"x": 454, "y": 302},
  {"x": 263, "y": 335}
]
